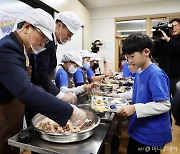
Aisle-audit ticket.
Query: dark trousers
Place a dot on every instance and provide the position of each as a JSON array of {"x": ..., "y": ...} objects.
[
  {"x": 173, "y": 82},
  {"x": 135, "y": 147},
  {"x": 173, "y": 89}
]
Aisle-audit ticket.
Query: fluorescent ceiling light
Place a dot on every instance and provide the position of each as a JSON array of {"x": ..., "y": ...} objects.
[
  {"x": 130, "y": 21},
  {"x": 134, "y": 30}
]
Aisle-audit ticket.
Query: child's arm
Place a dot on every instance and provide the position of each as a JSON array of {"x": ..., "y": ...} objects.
[
  {"x": 145, "y": 110},
  {"x": 125, "y": 95},
  {"x": 126, "y": 110},
  {"x": 152, "y": 108}
]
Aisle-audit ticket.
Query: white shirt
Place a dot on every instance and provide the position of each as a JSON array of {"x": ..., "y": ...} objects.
[{"x": 101, "y": 55}]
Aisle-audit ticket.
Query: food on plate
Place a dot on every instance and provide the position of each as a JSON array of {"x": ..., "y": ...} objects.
[
  {"x": 48, "y": 125},
  {"x": 121, "y": 89},
  {"x": 103, "y": 104},
  {"x": 96, "y": 94},
  {"x": 99, "y": 101},
  {"x": 98, "y": 104},
  {"x": 99, "y": 108},
  {"x": 109, "y": 84}
]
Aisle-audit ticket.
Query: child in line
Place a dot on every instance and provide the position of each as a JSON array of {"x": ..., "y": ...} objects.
[
  {"x": 149, "y": 126},
  {"x": 70, "y": 62},
  {"x": 128, "y": 94},
  {"x": 125, "y": 67}
]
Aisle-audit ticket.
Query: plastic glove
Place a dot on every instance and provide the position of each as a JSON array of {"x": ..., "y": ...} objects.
[
  {"x": 91, "y": 86},
  {"x": 70, "y": 97},
  {"x": 95, "y": 85},
  {"x": 78, "y": 116}
]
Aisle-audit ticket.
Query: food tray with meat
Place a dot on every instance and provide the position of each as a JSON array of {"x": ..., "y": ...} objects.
[{"x": 51, "y": 131}]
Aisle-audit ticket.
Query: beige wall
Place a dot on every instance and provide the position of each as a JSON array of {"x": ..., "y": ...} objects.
[
  {"x": 151, "y": 8},
  {"x": 80, "y": 10},
  {"x": 104, "y": 30},
  {"x": 103, "y": 21},
  {"x": 100, "y": 23}
]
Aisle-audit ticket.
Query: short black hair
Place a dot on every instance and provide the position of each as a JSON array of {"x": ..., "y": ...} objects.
[
  {"x": 58, "y": 21},
  {"x": 175, "y": 19},
  {"x": 122, "y": 57},
  {"x": 97, "y": 41},
  {"x": 94, "y": 43},
  {"x": 137, "y": 43},
  {"x": 20, "y": 24}
]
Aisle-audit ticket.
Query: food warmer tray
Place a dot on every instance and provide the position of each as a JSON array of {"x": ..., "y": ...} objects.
[{"x": 70, "y": 137}]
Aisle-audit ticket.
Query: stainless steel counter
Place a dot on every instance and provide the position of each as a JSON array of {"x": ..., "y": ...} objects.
[
  {"x": 91, "y": 145},
  {"x": 110, "y": 126}
]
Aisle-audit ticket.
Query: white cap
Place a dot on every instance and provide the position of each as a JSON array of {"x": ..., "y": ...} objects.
[
  {"x": 70, "y": 19},
  {"x": 85, "y": 53},
  {"x": 72, "y": 56},
  {"x": 40, "y": 19},
  {"x": 94, "y": 56}
]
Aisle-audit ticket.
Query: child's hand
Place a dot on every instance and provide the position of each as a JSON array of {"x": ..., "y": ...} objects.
[
  {"x": 95, "y": 85},
  {"x": 126, "y": 110},
  {"x": 87, "y": 87}
]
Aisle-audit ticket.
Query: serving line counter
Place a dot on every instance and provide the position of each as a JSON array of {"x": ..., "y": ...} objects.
[
  {"x": 92, "y": 145},
  {"x": 96, "y": 144},
  {"x": 106, "y": 138}
]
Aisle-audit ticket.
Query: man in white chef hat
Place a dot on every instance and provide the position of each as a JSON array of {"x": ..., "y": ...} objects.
[
  {"x": 33, "y": 31},
  {"x": 67, "y": 23},
  {"x": 43, "y": 26},
  {"x": 44, "y": 63}
]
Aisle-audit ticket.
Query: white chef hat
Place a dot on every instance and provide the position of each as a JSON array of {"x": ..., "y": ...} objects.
[
  {"x": 94, "y": 56},
  {"x": 70, "y": 19},
  {"x": 84, "y": 53},
  {"x": 72, "y": 56},
  {"x": 40, "y": 19}
]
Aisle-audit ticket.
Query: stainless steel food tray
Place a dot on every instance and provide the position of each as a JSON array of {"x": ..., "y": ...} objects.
[
  {"x": 70, "y": 137},
  {"x": 110, "y": 103}
]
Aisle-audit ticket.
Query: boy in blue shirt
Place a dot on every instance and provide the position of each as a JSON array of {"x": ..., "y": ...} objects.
[
  {"x": 126, "y": 71},
  {"x": 81, "y": 75},
  {"x": 149, "y": 127}
]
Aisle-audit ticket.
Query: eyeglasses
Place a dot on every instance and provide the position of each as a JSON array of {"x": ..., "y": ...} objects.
[{"x": 44, "y": 38}]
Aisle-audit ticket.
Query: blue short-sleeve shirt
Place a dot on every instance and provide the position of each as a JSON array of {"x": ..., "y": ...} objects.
[
  {"x": 126, "y": 71},
  {"x": 90, "y": 73},
  {"x": 78, "y": 76},
  {"x": 61, "y": 78},
  {"x": 151, "y": 85}
]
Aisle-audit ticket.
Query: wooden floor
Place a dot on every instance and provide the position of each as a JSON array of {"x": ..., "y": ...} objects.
[{"x": 171, "y": 148}]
